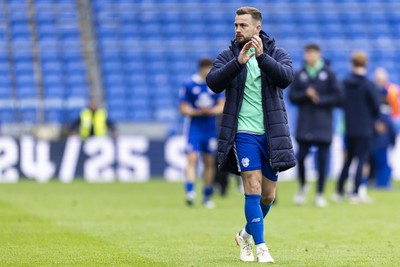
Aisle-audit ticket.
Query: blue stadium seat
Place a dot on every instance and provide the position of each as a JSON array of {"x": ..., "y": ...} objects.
[
  {"x": 47, "y": 25},
  {"x": 25, "y": 54},
  {"x": 24, "y": 78},
  {"x": 76, "y": 90},
  {"x": 74, "y": 66},
  {"x": 172, "y": 31},
  {"x": 54, "y": 115},
  {"x": 5, "y": 91},
  {"x": 18, "y": 16},
  {"x": 71, "y": 54},
  {"x": 23, "y": 66},
  {"x": 118, "y": 102},
  {"x": 3, "y": 34},
  {"x": 53, "y": 78},
  {"x": 4, "y": 66},
  {"x": 195, "y": 31},
  {"x": 115, "y": 90},
  {"x": 116, "y": 114},
  {"x": 116, "y": 108},
  {"x": 332, "y": 31},
  {"x": 45, "y": 15},
  {"x": 114, "y": 79},
  {"x": 134, "y": 66},
  {"x": 26, "y": 91},
  {"x": 51, "y": 66},
  {"x": 166, "y": 114},
  {"x": 76, "y": 79},
  {"x": 144, "y": 115},
  {"x": 72, "y": 114},
  {"x": 28, "y": 115},
  {"x": 44, "y": 2},
  {"x": 112, "y": 67},
  {"x": 7, "y": 115},
  {"x": 53, "y": 90}
]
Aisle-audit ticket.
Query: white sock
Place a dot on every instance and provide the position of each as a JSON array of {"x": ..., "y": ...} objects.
[
  {"x": 244, "y": 234},
  {"x": 261, "y": 246},
  {"x": 191, "y": 195}
]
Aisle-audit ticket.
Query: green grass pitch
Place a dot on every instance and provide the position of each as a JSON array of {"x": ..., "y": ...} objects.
[{"x": 148, "y": 224}]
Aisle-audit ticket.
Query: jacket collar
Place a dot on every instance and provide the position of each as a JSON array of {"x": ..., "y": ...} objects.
[{"x": 268, "y": 43}]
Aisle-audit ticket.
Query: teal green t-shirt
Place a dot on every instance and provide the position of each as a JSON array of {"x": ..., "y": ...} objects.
[
  {"x": 313, "y": 70},
  {"x": 251, "y": 116}
]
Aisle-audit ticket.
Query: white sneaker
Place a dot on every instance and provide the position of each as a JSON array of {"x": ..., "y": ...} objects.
[
  {"x": 366, "y": 200},
  {"x": 190, "y": 197},
  {"x": 209, "y": 204},
  {"x": 337, "y": 198},
  {"x": 246, "y": 248},
  {"x": 363, "y": 195},
  {"x": 264, "y": 256},
  {"x": 355, "y": 200},
  {"x": 300, "y": 198},
  {"x": 320, "y": 201}
]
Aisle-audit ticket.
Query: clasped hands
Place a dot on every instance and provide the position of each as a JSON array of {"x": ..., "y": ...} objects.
[{"x": 255, "y": 42}]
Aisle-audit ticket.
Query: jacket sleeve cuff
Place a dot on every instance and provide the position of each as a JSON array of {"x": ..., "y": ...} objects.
[
  {"x": 240, "y": 66},
  {"x": 260, "y": 58}
]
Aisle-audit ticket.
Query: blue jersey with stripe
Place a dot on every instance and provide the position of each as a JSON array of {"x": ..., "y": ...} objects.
[{"x": 196, "y": 93}]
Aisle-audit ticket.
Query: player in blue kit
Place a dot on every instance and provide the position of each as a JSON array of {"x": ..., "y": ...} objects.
[{"x": 201, "y": 106}]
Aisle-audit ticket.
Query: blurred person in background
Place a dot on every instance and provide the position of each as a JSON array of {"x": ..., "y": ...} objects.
[
  {"x": 316, "y": 92},
  {"x": 200, "y": 106},
  {"x": 222, "y": 178},
  {"x": 392, "y": 92},
  {"x": 361, "y": 109},
  {"x": 93, "y": 121},
  {"x": 384, "y": 138},
  {"x": 254, "y": 140}
]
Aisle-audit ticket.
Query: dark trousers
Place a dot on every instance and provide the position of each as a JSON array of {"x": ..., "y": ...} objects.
[
  {"x": 304, "y": 148},
  {"x": 221, "y": 178},
  {"x": 357, "y": 147}
]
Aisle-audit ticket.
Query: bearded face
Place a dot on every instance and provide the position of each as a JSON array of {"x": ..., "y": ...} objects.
[{"x": 245, "y": 28}]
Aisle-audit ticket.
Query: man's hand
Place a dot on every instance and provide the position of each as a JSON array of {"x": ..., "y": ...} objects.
[
  {"x": 380, "y": 127},
  {"x": 257, "y": 44},
  {"x": 312, "y": 94},
  {"x": 243, "y": 57}
]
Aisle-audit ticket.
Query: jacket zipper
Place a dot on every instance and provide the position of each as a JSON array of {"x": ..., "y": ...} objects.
[
  {"x": 240, "y": 96},
  {"x": 265, "y": 122}
]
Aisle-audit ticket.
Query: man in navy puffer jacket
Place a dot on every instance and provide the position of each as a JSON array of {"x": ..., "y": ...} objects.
[{"x": 254, "y": 138}]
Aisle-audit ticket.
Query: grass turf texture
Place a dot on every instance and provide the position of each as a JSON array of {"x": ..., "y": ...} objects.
[{"x": 148, "y": 224}]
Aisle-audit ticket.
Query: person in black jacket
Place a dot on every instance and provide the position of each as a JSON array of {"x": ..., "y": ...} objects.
[
  {"x": 316, "y": 92},
  {"x": 254, "y": 139},
  {"x": 361, "y": 108}
]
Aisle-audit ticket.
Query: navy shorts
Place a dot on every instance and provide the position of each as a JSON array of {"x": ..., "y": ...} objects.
[{"x": 251, "y": 154}]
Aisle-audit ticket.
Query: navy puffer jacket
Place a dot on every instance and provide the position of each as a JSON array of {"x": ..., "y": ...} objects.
[
  {"x": 276, "y": 73},
  {"x": 315, "y": 121}
]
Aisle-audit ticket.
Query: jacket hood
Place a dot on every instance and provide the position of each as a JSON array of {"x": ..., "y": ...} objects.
[{"x": 268, "y": 43}]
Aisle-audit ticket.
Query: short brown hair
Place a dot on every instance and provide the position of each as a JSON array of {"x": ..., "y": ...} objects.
[
  {"x": 205, "y": 62},
  {"x": 314, "y": 47},
  {"x": 359, "y": 59},
  {"x": 254, "y": 12}
]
